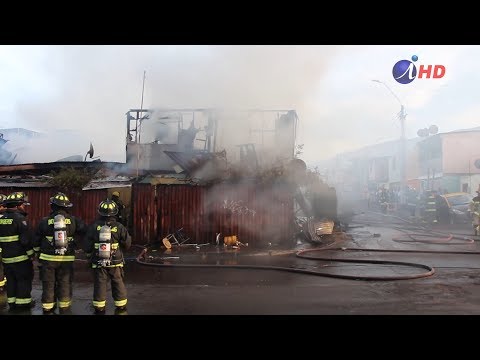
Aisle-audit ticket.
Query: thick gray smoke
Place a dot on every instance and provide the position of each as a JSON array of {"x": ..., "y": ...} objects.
[
  {"x": 92, "y": 87},
  {"x": 48, "y": 146}
]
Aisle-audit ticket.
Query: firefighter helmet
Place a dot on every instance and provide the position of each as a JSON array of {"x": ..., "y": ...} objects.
[
  {"x": 108, "y": 208},
  {"x": 116, "y": 193},
  {"x": 60, "y": 199},
  {"x": 16, "y": 198}
]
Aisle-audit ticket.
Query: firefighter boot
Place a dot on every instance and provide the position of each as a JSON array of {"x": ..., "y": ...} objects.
[
  {"x": 65, "y": 310},
  {"x": 30, "y": 305},
  {"x": 24, "y": 307},
  {"x": 121, "y": 310},
  {"x": 99, "y": 310},
  {"x": 49, "y": 311}
]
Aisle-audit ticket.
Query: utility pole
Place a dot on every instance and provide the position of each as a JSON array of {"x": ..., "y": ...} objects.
[
  {"x": 403, "y": 151},
  {"x": 402, "y": 115},
  {"x": 137, "y": 133}
]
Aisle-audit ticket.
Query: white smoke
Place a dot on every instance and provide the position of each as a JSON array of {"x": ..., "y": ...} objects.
[
  {"x": 94, "y": 86},
  {"x": 47, "y": 147}
]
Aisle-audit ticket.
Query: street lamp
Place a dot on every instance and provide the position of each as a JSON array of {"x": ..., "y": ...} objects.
[{"x": 403, "y": 141}]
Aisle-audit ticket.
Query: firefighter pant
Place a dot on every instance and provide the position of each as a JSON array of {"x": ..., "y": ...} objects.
[
  {"x": 57, "y": 278},
  {"x": 430, "y": 216},
  {"x": 19, "y": 284},
  {"x": 475, "y": 220},
  {"x": 3, "y": 279},
  {"x": 102, "y": 275},
  {"x": 412, "y": 209}
]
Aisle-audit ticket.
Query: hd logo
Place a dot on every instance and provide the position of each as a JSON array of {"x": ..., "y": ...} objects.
[{"x": 405, "y": 71}]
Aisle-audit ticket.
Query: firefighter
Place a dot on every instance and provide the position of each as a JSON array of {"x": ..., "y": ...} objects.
[
  {"x": 412, "y": 199},
  {"x": 474, "y": 208},
  {"x": 121, "y": 208},
  {"x": 55, "y": 241},
  {"x": 430, "y": 206},
  {"x": 106, "y": 240},
  {"x": 383, "y": 199},
  {"x": 17, "y": 251},
  {"x": 3, "y": 279}
]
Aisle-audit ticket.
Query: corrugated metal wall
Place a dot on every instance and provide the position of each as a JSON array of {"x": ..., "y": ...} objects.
[
  {"x": 39, "y": 199},
  {"x": 144, "y": 213},
  {"x": 84, "y": 205},
  {"x": 257, "y": 215},
  {"x": 180, "y": 206},
  {"x": 260, "y": 214}
]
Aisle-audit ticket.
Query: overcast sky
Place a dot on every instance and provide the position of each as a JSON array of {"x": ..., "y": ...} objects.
[{"x": 90, "y": 88}]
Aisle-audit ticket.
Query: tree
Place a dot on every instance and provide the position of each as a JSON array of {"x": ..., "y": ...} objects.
[{"x": 71, "y": 180}]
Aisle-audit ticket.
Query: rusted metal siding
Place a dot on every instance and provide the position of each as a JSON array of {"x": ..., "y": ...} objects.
[
  {"x": 180, "y": 206},
  {"x": 39, "y": 199},
  {"x": 257, "y": 215},
  {"x": 261, "y": 214},
  {"x": 144, "y": 213},
  {"x": 84, "y": 204}
]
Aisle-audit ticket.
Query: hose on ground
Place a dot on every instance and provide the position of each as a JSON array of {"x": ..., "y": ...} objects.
[
  {"x": 302, "y": 254},
  {"x": 427, "y": 232},
  {"x": 306, "y": 254}
]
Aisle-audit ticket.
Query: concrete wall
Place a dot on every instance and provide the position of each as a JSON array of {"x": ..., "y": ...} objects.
[{"x": 460, "y": 150}]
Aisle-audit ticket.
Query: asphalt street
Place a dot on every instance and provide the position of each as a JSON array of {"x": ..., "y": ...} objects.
[{"x": 265, "y": 282}]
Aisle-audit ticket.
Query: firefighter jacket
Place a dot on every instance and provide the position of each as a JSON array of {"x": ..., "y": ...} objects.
[
  {"x": 412, "y": 198},
  {"x": 44, "y": 243},
  {"x": 430, "y": 203},
  {"x": 121, "y": 216},
  {"x": 474, "y": 206},
  {"x": 120, "y": 241},
  {"x": 383, "y": 196},
  {"x": 15, "y": 237},
  {"x": 1, "y": 215}
]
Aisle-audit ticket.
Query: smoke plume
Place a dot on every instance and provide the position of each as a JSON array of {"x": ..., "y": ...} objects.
[{"x": 92, "y": 87}]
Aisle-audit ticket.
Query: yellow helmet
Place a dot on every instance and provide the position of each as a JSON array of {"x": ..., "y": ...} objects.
[
  {"x": 108, "y": 208},
  {"x": 60, "y": 199},
  {"x": 16, "y": 198},
  {"x": 116, "y": 193}
]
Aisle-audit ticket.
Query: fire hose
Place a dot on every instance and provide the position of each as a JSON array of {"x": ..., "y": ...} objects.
[
  {"x": 427, "y": 233},
  {"x": 140, "y": 259},
  {"x": 410, "y": 235}
]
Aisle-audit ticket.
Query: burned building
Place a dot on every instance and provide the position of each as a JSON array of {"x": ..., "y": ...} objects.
[
  {"x": 201, "y": 172},
  {"x": 253, "y": 138},
  {"x": 205, "y": 171}
]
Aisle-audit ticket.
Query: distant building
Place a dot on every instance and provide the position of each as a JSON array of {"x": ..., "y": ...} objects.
[
  {"x": 373, "y": 165},
  {"x": 445, "y": 160}
]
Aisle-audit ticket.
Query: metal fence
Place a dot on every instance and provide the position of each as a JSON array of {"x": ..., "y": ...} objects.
[{"x": 256, "y": 215}]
